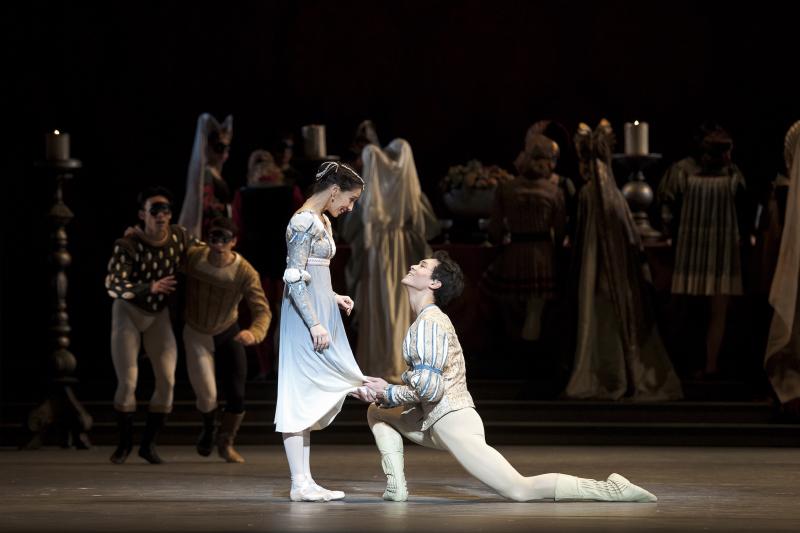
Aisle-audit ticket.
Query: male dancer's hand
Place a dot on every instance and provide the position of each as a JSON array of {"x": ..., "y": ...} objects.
[
  {"x": 164, "y": 285},
  {"x": 377, "y": 386},
  {"x": 345, "y": 303},
  {"x": 320, "y": 337},
  {"x": 245, "y": 337}
]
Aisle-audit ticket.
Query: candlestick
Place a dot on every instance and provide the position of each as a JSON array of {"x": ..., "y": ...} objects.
[
  {"x": 56, "y": 146},
  {"x": 314, "y": 141},
  {"x": 61, "y": 409},
  {"x": 636, "y": 138}
]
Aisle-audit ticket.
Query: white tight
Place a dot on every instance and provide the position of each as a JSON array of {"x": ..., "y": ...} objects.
[
  {"x": 129, "y": 327},
  {"x": 200, "y": 366},
  {"x": 298, "y": 453},
  {"x": 461, "y": 433}
]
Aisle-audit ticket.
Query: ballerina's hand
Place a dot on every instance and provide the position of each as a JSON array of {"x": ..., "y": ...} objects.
[
  {"x": 364, "y": 394},
  {"x": 320, "y": 337},
  {"x": 345, "y": 303}
]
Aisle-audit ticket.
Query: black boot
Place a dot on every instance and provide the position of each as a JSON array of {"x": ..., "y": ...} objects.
[
  {"x": 125, "y": 428},
  {"x": 147, "y": 449},
  {"x": 205, "y": 442}
]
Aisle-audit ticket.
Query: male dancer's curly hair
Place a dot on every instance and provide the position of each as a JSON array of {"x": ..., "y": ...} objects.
[{"x": 450, "y": 275}]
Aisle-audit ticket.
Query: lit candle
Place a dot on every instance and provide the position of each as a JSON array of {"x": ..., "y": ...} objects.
[
  {"x": 636, "y": 138},
  {"x": 56, "y": 146}
]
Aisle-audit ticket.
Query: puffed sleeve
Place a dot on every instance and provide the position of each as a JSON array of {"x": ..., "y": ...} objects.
[
  {"x": 303, "y": 229},
  {"x": 423, "y": 381}
]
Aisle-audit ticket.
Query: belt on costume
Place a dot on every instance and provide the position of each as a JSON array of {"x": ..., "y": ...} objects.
[{"x": 318, "y": 261}]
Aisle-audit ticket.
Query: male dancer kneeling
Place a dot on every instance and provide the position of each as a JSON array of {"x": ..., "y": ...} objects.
[{"x": 433, "y": 407}]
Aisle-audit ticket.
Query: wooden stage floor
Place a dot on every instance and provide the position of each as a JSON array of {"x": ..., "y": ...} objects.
[{"x": 699, "y": 489}]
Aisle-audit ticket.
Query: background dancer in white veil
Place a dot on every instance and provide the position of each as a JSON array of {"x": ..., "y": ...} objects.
[
  {"x": 388, "y": 231},
  {"x": 207, "y": 194}
]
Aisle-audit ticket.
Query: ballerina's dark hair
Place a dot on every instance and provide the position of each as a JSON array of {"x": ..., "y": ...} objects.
[{"x": 333, "y": 173}]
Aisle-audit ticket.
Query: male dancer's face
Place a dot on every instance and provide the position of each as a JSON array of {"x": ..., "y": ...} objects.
[
  {"x": 156, "y": 214},
  {"x": 419, "y": 275}
]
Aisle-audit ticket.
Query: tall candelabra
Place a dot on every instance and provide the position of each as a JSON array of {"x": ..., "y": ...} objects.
[{"x": 61, "y": 409}]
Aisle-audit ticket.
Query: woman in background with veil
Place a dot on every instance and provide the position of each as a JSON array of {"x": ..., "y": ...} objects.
[
  {"x": 388, "y": 231},
  {"x": 207, "y": 194}
]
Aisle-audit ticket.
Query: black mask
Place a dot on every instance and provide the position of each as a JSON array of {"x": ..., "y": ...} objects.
[
  {"x": 220, "y": 236},
  {"x": 160, "y": 207}
]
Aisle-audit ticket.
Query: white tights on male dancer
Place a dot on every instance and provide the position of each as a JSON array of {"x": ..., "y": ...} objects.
[{"x": 461, "y": 433}]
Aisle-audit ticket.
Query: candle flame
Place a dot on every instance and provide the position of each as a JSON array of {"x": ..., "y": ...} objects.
[
  {"x": 635, "y": 122},
  {"x": 56, "y": 132}
]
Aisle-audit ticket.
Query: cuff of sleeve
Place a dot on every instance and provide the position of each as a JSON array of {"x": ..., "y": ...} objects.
[{"x": 390, "y": 397}]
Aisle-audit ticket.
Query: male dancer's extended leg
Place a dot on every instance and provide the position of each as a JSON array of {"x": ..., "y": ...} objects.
[{"x": 462, "y": 433}]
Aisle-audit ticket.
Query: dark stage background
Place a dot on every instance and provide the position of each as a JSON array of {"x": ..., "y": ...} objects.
[{"x": 457, "y": 79}]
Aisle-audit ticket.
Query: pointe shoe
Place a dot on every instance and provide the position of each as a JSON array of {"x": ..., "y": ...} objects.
[
  {"x": 333, "y": 495},
  {"x": 309, "y": 493}
]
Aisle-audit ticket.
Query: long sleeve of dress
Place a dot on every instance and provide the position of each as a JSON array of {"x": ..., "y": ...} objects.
[
  {"x": 428, "y": 356},
  {"x": 300, "y": 236}
]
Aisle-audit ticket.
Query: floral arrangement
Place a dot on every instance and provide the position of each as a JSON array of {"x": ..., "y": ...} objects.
[{"x": 474, "y": 175}]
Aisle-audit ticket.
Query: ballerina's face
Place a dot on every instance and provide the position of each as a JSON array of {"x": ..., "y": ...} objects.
[{"x": 342, "y": 202}]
